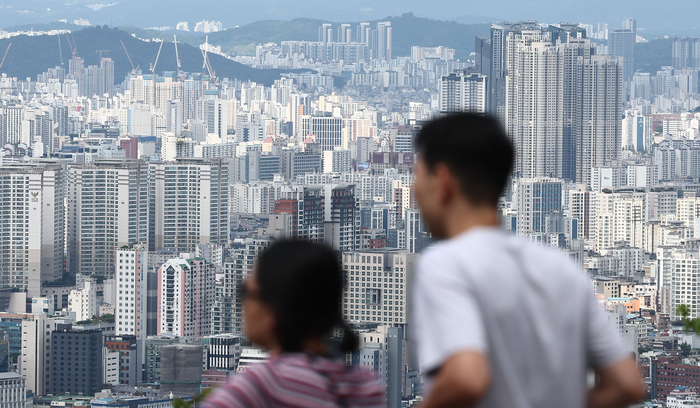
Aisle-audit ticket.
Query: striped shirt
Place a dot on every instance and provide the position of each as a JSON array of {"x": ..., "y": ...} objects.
[{"x": 299, "y": 380}]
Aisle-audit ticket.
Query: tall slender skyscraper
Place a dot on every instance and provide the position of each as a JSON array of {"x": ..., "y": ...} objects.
[
  {"x": 621, "y": 44},
  {"x": 106, "y": 85},
  {"x": 384, "y": 40},
  {"x": 598, "y": 141},
  {"x": 130, "y": 290}
]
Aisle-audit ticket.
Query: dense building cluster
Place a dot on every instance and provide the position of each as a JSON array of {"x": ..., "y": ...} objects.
[{"x": 132, "y": 212}]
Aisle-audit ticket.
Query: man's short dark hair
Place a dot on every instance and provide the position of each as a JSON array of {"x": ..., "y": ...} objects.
[{"x": 475, "y": 148}]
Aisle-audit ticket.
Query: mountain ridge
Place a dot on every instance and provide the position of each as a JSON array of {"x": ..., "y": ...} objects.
[{"x": 32, "y": 55}]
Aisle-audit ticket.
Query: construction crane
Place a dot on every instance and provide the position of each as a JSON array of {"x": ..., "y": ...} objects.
[
  {"x": 207, "y": 64},
  {"x": 153, "y": 72},
  {"x": 5, "y": 56},
  {"x": 177, "y": 57},
  {"x": 73, "y": 49},
  {"x": 153, "y": 66},
  {"x": 101, "y": 51},
  {"x": 60, "y": 52},
  {"x": 133, "y": 69}
]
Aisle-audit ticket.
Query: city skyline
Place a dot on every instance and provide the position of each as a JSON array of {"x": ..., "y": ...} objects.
[{"x": 135, "y": 207}]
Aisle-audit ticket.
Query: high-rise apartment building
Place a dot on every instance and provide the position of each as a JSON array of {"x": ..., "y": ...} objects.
[
  {"x": 384, "y": 39},
  {"x": 35, "y": 360},
  {"x": 299, "y": 214},
  {"x": 597, "y": 140},
  {"x": 341, "y": 230},
  {"x": 31, "y": 225},
  {"x": 563, "y": 107},
  {"x": 344, "y": 33},
  {"x": 582, "y": 207},
  {"x": 227, "y": 313},
  {"x": 463, "y": 92},
  {"x": 186, "y": 290},
  {"x": 106, "y": 80},
  {"x": 686, "y": 53},
  {"x": 376, "y": 285},
  {"x": 130, "y": 291},
  {"x": 107, "y": 209},
  {"x": 336, "y": 161},
  {"x": 498, "y": 69},
  {"x": 363, "y": 33},
  {"x": 188, "y": 203},
  {"x": 620, "y": 217},
  {"x": 537, "y": 198},
  {"x": 217, "y": 117},
  {"x": 688, "y": 212}
]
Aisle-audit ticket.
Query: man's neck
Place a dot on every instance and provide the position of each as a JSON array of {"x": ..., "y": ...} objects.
[{"x": 465, "y": 218}]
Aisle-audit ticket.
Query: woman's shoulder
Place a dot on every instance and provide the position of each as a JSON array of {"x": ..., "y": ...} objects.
[{"x": 299, "y": 379}]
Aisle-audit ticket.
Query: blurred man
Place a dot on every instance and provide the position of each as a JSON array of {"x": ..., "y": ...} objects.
[{"x": 498, "y": 321}]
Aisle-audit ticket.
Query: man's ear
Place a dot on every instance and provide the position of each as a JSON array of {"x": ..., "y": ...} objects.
[{"x": 446, "y": 183}]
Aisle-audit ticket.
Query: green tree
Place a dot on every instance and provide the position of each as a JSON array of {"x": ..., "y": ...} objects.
[
  {"x": 192, "y": 402},
  {"x": 686, "y": 349}
]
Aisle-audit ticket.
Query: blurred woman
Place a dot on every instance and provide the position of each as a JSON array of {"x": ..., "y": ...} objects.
[{"x": 291, "y": 303}]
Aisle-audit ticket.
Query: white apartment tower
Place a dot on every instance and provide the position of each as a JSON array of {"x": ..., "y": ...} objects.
[
  {"x": 376, "y": 287},
  {"x": 186, "y": 290},
  {"x": 462, "y": 92},
  {"x": 31, "y": 225},
  {"x": 107, "y": 209},
  {"x": 188, "y": 204},
  {"x": 685, "y": 271},
  {"x": 688, "y": 211},
  {"x": 131, "y": 267},
  {"x": 35, "y": 361},
  {"x": 83, "y": 302}
]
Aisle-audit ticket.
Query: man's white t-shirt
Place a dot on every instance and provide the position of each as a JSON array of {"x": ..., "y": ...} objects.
[{"x": 528, "y": 308}]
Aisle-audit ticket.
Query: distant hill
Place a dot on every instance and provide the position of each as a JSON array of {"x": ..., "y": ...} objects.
[
  {"x": 30, "y": 56},
  {"x": 54, "y": 25},
  {"x": 652, "y": 55},
  {"x": 407, "y": 31}
]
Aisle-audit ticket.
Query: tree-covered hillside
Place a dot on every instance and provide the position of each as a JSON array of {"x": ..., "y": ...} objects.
[
  {"x": 651, "y": 56},
  {"x": 407, "y": 31},
  {"x": 30, "y": 56}
]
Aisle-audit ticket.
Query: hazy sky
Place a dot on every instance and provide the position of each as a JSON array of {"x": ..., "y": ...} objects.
[{"x": 667, "y": 17}]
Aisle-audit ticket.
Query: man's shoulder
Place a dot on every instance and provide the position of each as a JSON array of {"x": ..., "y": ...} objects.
[{"x": 494, "y": 246}]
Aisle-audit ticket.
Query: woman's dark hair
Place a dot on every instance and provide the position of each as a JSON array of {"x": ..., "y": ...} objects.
[{"x": 303, "y": 283}]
